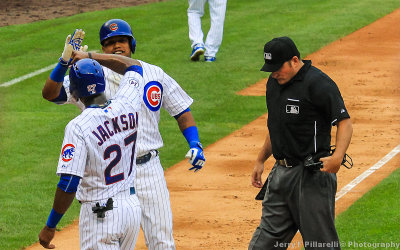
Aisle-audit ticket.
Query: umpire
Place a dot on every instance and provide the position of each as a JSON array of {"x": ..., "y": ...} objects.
[{"x": 303, "y": 104}]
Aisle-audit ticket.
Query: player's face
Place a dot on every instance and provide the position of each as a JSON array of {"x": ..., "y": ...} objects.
[
  {"x": 285, "y": 73},
  {"x": 117, "y": 45}
]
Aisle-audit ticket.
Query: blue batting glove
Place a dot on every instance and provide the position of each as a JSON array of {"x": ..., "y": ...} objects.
[{"x": 196, "y": 156}]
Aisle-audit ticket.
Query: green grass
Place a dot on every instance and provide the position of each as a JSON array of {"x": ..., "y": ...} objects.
[
  {"x": 373, "y": 219},
  {"x": 31, "y": 129}
]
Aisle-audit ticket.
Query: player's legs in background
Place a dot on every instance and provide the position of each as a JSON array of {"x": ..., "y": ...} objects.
[
  {"x": 195, "y": 12},
  {"x": 151, "y": 189},
  {"x": 214, "y": 36}
]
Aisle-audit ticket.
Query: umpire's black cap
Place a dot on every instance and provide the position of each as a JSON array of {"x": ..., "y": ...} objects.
[{"x": 277, "y": 51}]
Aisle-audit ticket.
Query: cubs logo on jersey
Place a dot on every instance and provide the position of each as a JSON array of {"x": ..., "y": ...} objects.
[
  {"x": 152, "y": 95},
  {"x": 68, "y": 152}
]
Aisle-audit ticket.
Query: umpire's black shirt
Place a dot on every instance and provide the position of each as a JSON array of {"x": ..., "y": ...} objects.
[{"x": 301, "y": 113}]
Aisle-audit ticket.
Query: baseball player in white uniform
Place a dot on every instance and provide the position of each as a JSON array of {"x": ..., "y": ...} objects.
[
  {"x": 160, "y": 90},
  {"x": 98, "y": 157},
  {"x": 214, "y": 36}
]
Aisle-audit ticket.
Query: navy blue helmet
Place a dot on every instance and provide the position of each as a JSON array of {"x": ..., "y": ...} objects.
[
  {"x": 86, "y": 78},
  {"x": 117, "y": 27}
]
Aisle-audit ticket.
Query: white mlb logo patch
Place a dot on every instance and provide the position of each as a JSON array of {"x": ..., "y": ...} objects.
[{"x": 292, "y": 109}]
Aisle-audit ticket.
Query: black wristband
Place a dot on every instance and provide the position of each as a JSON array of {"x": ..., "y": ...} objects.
[{"x": 90, "y": 55}]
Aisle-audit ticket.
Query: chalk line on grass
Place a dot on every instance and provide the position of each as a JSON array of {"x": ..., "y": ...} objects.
[
  {"x": 24, "y": 77},
  {"x": 368, "y": 172}
]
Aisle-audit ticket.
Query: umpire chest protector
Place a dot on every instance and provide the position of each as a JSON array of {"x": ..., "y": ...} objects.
[{"x": 302, "y": 112}]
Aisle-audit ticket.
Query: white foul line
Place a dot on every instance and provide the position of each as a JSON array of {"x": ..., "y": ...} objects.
[
  {"x": 35, "y": 73},
  {"x": 368, "y": 172}
]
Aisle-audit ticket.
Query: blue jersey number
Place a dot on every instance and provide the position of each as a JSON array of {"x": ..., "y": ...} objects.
[{"x": 110, "y": 179}]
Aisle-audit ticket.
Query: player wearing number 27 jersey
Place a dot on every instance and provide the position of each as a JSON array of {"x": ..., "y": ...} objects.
[
  {"x": 98, "y": 160},
  {"x": 94, "y": 137}
]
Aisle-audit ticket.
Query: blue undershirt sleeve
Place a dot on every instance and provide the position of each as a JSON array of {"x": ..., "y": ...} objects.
[{"x": 69, "y": 183}]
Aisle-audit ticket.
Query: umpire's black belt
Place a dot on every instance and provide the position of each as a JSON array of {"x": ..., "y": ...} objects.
[
  {"x": 145, "y": 158},
  {"x": 286, "y": 162}
]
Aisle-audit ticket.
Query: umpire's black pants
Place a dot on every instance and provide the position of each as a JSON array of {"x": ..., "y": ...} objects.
[{"x": 297, "y": 199}]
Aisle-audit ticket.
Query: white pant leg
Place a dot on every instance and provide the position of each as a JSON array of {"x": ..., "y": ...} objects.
[
  {"x": 195, "y": 12},
  {"x": 214, "y": 36},
  {"x": 119, "y": 228},
  {"x": 132, "y": 225},
  {"x": 153, "y": 195}
]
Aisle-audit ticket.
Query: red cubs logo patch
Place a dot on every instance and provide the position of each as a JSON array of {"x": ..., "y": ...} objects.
[
  {"x": 152, "y": 95},
  {"x": 113, "y": 26},
  {"x": 68, "y": 152}
]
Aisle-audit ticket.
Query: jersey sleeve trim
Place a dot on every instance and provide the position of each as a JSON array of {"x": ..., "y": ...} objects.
[
  {"x": 181, "y": 113},
  {"x": 136, "y": 68}
]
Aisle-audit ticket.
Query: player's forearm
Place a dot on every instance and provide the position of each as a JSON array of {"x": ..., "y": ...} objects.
[
  {"x": 185, "y": 121},
  {"x": 51, "y": 89},
  {"x": 188, "y": 128},
  {"x": 62, "y": 201},
  {"x": 116, "y": 63},
  {"x": 343, "y": 137}
]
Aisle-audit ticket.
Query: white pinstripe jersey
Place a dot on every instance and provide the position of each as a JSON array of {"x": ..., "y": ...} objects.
[
  {"x": 160, "y": 90},
  {"x": 99, "y": 144}
]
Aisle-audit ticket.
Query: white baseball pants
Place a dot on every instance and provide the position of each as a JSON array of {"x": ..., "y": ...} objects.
[
  {"x": 151, "y": 189},
  {"x": 119, "y": 228},
  {"x": 217, "y": 15}
]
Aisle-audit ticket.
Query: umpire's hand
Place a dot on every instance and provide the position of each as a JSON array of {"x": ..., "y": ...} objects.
[
  {"x": 256, "y": 175},
  {"x": 331, "y": 164}
]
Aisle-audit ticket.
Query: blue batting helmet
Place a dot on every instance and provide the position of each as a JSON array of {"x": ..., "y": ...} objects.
[
  {"x": 117, "y": 27},
  {"x": 86, "y": 78}
]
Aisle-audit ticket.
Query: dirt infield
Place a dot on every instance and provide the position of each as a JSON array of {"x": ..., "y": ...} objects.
[
  {"x": 215, "y": 208},
  {"x": 26, "y": 11}
]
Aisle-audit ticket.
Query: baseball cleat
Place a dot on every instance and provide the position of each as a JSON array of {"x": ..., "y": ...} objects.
[
  {"x": 209, "y": 58},
  {"x": 196, "y": 53}
]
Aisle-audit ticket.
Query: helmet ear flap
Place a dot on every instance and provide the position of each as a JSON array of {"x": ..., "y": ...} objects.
[{"x": 133, "y": 45}]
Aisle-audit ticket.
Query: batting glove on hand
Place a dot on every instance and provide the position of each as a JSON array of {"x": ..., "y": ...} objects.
[
  {"x": 72, "y": 43},
  {"x": 196, "y": 156}
]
